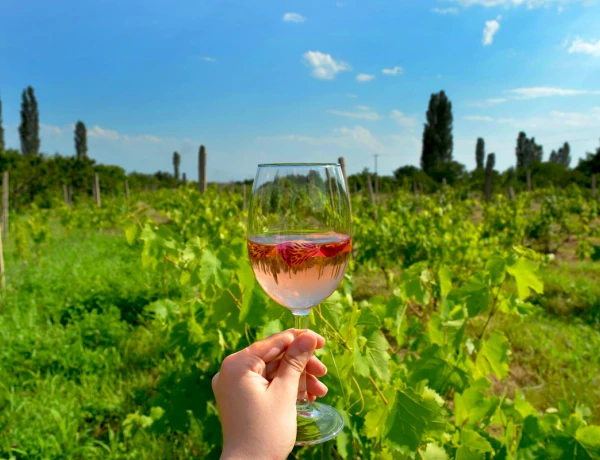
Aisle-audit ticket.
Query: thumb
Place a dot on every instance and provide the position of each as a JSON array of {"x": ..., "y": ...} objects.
[{"x": 294, "y": 362}]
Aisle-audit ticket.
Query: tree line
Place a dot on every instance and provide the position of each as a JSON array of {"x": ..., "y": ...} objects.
[
  {"x": 39, "y": 178},
  {"x": 36, "y": 177}
]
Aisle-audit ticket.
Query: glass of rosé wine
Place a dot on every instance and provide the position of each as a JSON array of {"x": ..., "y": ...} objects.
[{"x": 299, "y": 243}]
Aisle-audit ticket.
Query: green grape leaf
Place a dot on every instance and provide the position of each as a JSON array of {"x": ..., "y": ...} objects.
[
  {"x": 433, "y": 452},
  {"x": 476, "y": 294},
  {"x": 360, "y": 361},
  {"x": 589, "y": 438},
  {"x": 377, "y": 354},
  {"x": 439, "y": 372},
  {"x": 411, "y": 418},
  {"x": 445, "y": 280},
  {"x": 211, "y": 271},
  {"x": 522, "y": 406},
  {"x": 493, "y": 356},
  {"x": 414, "y": 281},
  {"x": 368, "y": 319},
  {"x": 496, "y": 266},
  {"x": 524, "y": 272},
  {"x": 474, "y": 441},
  {"x": 132, "y": 233},
  {"x": 464, "y": 453},
  {"x": 224, "y": 306},
  {"x": 472, "y": 406}
]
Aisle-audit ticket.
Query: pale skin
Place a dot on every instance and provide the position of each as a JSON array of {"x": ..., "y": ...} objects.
[{"x": 256, "y": 392}]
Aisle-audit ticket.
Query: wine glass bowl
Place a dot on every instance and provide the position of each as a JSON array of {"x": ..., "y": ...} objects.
[{"x": 299, "y": 244}]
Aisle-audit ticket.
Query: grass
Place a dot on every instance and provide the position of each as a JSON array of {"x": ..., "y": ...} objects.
[{"x": 75, "y": 357}]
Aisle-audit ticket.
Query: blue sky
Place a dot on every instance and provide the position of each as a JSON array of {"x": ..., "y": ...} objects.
[{"x": 311, "y": 80}]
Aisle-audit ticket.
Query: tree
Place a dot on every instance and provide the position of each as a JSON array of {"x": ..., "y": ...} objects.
[
  {"x": 563, "y": 156},
  {"x": 29, "y": 129},
  {"x": 527, "y": 151},
  {"x": 590, "y": 164},
  {"x": 2, "y": 145},
  {"x": 81, "y": 140},
  {"x": 480, "y": 153},
  {"x": 438, "y": 141},
  {"x": 176, "y": 163}
]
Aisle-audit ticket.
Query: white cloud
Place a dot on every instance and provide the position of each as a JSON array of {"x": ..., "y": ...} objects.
[
  {"x": 531, "y": 4},
  {"x": 51, "y": 129},
  {"x": 364, "y": 77},
  {"x": 97, "y": 131},
  {"x": 208, "y": 59},
  {"x": 544, "y": 91},
  {"x": 324, "y": 66},
  {"x": 445, "y": 11},
  {"x": 491, "y": 28},
  {"x": 364, "y": 113},
  {"x": 403, "y": 120},
  {"x": 344, "y": 138},
  {"x": 479, "y": 118},
  {"x": 488, "y": 102},
  {"x": 396, "y": 70},
  {"x": 293, "y": 17},
  {"x": 580, "y": 46}
]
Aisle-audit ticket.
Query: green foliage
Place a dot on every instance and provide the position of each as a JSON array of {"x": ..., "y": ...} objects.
[
  {"x": 80, "y": 140},
  {"x": 437, "y": 135},
  {"x": 479, "y": 153},
  {"x": 562, "y": 157},
  {"x": 527, "y": 151},
  {"x": 127, "y": 331},
  {"x": 29, "y": 129}
]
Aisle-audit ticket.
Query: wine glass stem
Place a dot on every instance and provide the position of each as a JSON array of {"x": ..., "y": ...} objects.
[{"x": 301, "y": 324}]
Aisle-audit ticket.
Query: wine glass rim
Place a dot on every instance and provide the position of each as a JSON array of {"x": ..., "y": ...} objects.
[{"x": 287, "y": 165}]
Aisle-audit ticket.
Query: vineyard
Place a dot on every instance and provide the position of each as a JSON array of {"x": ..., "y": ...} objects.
[{"x": 464, "y": 328}]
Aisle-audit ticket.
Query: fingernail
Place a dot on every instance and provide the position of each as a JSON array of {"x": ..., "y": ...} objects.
[{"x": 305, "y": 343}]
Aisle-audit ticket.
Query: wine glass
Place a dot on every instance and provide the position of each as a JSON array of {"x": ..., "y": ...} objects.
[{"x": 299, "y": 243}]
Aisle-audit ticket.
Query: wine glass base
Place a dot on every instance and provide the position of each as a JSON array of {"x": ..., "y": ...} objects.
[{"x": 318, "y": 423}]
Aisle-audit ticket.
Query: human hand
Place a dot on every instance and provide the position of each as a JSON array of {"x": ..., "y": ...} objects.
[{"x": 256, "y": 392}]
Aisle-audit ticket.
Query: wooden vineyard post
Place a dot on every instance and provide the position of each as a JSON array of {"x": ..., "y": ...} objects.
[
  {"x": 97, "y": 189},
  {"x": 529, "y": 180},
  {"x": 489, "y": 170},
  {"x": 202, "y": 186},
  {"x": 372, "y": 196},
  {"x": 126, "y": 189},
  {"x": 2, "y": 274},
  {"x": 342, "y": 162},
  {"x": 594, "y": 186},
  {"x": 70, "y": 194},
  {"x": 5, "y": 204},
  {"x": 444, "y": 182},
  {"x": 184, "y": 179},
  {"x": 66, "y": 195},
  {"x": 511, "y": 193},
  {"x": 244, "y": 196}
]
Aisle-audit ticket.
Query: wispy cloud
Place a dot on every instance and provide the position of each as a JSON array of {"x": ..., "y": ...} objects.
[
  {"x": 344, "y": 138},
  {"x": 583, "y": 47},
  {"x": 396, "y": 70},
  {"x": 530, "y": 4},
  {"x": 364, "y": 77},
  {"x": 545, "y": 91},
  {"x": 293, "y": 17},
  {"x": 323, "y": 65},
  {"x": 488, "y": 102},
  {"x": 208, "y": 59},
  {"x": 363, "y": 113},
  {"x": 445, "y": 11},
  {"x": 403, "y": 120},
  {"x": 352, "y": 96},
  {"x": 490, "y": 30},
  {"x": 479, "y": 118}
]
